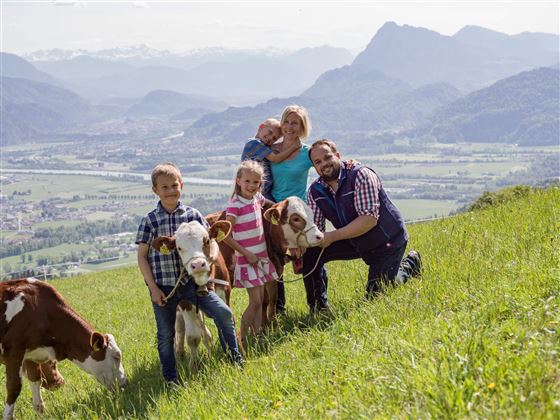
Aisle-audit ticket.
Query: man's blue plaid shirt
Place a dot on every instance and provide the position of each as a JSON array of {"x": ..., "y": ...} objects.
[{"x": 165, "y": 268}]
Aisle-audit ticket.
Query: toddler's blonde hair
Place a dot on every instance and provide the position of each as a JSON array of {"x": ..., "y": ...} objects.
[{"x": 269, "y": 122}]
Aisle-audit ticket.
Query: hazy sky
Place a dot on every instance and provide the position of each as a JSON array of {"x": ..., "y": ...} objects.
[{"x": 180, "y": 26}]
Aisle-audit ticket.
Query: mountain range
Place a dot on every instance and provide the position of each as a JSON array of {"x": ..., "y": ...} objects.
[
  {"x": 363, "y": 98},
  {"x": 522, "y": 109},
  {"x": 233, "y": 76},
  {"x": 477, "y": 85}
]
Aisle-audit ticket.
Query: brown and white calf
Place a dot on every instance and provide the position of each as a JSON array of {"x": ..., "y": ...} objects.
[
  {"x": 287, "y": 224},
  {"x": 203, "y": 261},
  {"x": 37, "y": 328}
]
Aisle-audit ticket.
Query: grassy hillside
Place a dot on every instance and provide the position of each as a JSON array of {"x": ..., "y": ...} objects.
[{"x": 477, "y": 336}]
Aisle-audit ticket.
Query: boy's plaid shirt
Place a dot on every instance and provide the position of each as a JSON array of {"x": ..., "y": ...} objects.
[{"x": 165, "y": 268}]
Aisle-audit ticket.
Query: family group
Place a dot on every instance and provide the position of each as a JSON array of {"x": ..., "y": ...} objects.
[{"x": 349, "y": 195}]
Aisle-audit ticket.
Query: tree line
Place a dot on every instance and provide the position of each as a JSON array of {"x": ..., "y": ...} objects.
[{"x": 84, "y": 232}]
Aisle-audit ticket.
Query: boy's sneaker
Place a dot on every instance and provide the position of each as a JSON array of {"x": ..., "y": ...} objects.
[
  {"x": 173, "y": 385},
  {"x": 415, "y": 262}
]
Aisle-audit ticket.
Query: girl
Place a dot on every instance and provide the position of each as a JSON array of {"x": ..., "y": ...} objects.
[{"x": 253, "y": 268}]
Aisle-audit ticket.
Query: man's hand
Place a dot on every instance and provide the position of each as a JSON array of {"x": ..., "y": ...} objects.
[
  {"x": 157, "y": 295},
  {"x": 328, "y": 238}
]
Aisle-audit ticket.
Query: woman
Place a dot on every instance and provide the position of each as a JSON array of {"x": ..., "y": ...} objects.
[{"x": 290, "y": 176}]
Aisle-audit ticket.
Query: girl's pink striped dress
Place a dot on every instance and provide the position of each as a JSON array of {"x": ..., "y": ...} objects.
[{"x": 248, "y": 232}]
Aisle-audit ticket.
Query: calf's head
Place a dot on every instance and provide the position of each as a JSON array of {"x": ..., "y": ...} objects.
[
  {"x": 104, "y": 361},
  {"x": 296, "y": 220},
  {"x": 196, "y": 246}
]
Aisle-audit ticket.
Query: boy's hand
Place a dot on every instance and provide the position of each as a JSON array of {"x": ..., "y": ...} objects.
[{"x": 157, "y": 295}]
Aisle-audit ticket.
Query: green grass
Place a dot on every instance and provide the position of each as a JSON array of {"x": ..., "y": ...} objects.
[{"x": 475, "y": 337}]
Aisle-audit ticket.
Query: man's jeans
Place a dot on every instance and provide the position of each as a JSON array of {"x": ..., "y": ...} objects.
[
  {"x": 213, "y": 307},
  {"x": 384, "y": 265}
]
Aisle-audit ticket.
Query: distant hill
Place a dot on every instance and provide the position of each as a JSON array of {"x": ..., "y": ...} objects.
[
  {"x": 522, "y": 109},
  {"x": 82, "y": 67},
  {"x": 473, "y": 58},
  {"x": 163, "y": 102},
  {"x": 355, "y": 98},
  {"x": 346, "y": 99},
  {"x": 30, "y": 108},
  {"x": 237, "y": 76},
  {"x": 12, "y": 65}
]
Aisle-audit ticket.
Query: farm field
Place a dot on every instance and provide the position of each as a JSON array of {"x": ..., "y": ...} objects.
[
  {"x": 436, "y": 180},
  {"x": 475, "y": 337}
]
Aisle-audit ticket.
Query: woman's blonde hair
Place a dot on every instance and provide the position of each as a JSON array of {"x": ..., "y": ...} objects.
[
  {"x": 303, "y": 115},
  {"x": 166, "y": 168},
  {"x": 247, "y": 166}
]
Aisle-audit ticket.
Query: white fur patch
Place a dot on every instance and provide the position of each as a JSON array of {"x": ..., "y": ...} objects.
[
  {"x": 9, "y": 412},
  {"x": 40, "y": 354},
  {"x": 14, "y": 307},
  {"x": 38, "y": 404},
  {"x": 108, "y": 370},
  {"x": 32, "y": 279}
]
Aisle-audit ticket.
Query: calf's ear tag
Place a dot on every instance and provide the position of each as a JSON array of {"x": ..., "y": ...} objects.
[
  {"x": 273, "y": 220},
  {"x": 221, "y": 236},
  {"x": 164, "y": 250}
]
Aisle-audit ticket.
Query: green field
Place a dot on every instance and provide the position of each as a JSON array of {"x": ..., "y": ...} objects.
[
  {"x": 418, "y": 209},
  {"x": 476, "y": 337}
]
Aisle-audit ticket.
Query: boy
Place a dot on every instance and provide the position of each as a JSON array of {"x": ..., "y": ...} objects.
[
  {"x": 160, "y": 271},
  {"x": 260, "y": 149}
]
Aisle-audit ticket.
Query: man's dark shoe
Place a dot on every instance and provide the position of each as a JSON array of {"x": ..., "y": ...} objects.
[{"x": 415, "y": 263}]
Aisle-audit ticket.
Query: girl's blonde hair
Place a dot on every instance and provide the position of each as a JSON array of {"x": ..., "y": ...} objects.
[
  {"x": 247, "y": 166},
  {"x": 303, "y": 115}
]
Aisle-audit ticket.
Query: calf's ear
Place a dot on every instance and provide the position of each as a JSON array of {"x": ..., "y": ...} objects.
[
  {"x": 220, "y": 230},
  {"x": 272, "y": 215},
  {"x": 164, "y": 244},
  {"x": 277, "y": 213},
  {"x": 98, "y": 341}
]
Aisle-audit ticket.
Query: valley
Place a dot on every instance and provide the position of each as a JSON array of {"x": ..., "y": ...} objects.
[{"x": 70, "y": 210}]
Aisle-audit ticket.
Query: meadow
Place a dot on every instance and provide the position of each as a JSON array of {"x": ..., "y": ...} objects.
[{"x": 476, "y": 337}]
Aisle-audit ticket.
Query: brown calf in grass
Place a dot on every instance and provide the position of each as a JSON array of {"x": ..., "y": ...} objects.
[{"x": 37, "y": 328}]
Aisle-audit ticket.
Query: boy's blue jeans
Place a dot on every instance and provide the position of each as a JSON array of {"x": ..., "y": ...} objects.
[{"x": 213, "y": 307}]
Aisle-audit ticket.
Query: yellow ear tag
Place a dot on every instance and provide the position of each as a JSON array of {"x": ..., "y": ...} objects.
[
  {"x": 221, "y": 236},
  {"x": 273, "y": 220},
  {"x": 164, "y": 250}
]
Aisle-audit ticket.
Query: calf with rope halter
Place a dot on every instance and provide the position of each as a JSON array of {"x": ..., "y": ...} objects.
[{"x": 205, "y": 267}]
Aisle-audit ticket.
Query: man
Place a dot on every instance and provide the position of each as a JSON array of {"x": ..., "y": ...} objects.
[{"x": 368, "y": 225}]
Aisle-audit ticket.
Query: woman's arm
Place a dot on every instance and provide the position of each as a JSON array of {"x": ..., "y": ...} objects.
[
  {"x": 276, "y": 157},
  {"x": 232, "y": 243}
]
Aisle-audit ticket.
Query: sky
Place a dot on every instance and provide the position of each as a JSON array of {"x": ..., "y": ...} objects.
[{"x": 182, "y": 26}]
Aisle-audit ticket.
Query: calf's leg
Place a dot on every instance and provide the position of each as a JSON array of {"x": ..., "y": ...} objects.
[
  {"x": 33, "y": 372},
  {"x": 13, "y": 382}
]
